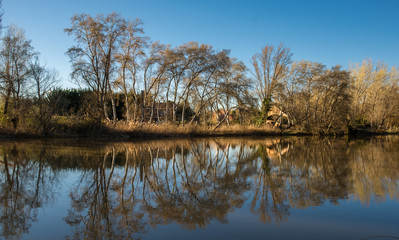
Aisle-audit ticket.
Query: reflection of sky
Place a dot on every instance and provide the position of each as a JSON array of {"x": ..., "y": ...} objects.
[
  {"x": 348, "y": 220},
  {"x": 51, "y": 224}
]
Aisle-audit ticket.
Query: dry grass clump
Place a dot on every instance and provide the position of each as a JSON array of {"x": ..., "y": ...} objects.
[
  {"x": 76, "y": 127},
  {"x": 173, "y": 130}
]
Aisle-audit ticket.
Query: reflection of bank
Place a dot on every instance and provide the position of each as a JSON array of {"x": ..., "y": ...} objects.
[
  {"x": 268, "y": 199},
  {"x": 174, "y": 189},
  {"x": 126, "y": 188},
  {"x": 26, "y": 185},
  {"x": 375, "y": 170}
]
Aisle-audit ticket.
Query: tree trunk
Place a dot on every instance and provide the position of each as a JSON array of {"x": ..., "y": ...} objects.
[
  {"x": 159, "y": 120},
  {"x": 240, "y": 115},
  {"x": 142, "y": 112},
  {"x": 228, "y": 117},
  {"x": 183, "y": 113},
  {"x": 106, "y": 111},
  {"x": 152, "y": 110},
  {"x": 7, "y": 101},
  {"x": 136, "y": 107},
  {"x": 127, "y": 108},
  {"x": 114, "y": 117},
  {"x": 166, "y": 110},
  {"x": 204, "y": 117},
  {"x": 167, "y": 106},
  {"x": 174, "y": 112},
  {"x": 220, "y": 122}
]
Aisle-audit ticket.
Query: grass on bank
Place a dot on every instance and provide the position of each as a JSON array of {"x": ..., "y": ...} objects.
[
  {"x": 72, "y": 126},
  {"x": 173, "y": 130},
  {"x": 87, "y": 127}
]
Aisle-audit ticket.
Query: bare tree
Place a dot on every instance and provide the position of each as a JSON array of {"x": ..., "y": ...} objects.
[
  {"x": 130, "y": 53},
  {"x": 206, "y": 87},
  {"x": 42, "y": 80},
  {"x": 375, "y": 91},
  {"x": 93, "y": 57},
  {"x": 154, "y": 71},
  {"x": 332, "y": 112},
  {"x": 296, "y": 96},
  {"x": 316, "y": 99},
  {"x": 113, "y": 28},
  {"x": 85, "y": 57},
  {"x": 15, "y": 54},
  {"x": 177, "y": 65},
  {"x": 200, "y": 59},
  {"x": 234, "y": 90},
  {"x": 269, "y": 68}
]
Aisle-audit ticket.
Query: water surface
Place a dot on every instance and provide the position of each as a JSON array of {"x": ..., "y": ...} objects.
[{"x": 273, "y": 188}]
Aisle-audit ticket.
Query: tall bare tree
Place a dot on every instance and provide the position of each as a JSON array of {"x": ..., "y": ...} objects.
[
  {"x": 93, "y": 58},
  {"x": 131, "y": 51},
  {"x": 269, "y": 68},
  {"x": 316, "y": 99},
  {"x": 200, "y": 59},
  {"x": 332, "y": 89},
  {"x": 296, "y": 96},
  {"x": 15, "y": 54},
  {"x": 113, "y": 29},
  {"x": 154, "y": 71},
  {"x": 375, "y": 91},
  {"x": 42, "y": 81},
  {"x": 206, "y": 87},
  {"x": 234, "y": 90},
  {"x": 177, "y": 65}
]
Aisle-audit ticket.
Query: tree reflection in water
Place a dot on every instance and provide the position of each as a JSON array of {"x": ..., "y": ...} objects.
[
  {"x": 126, "y": 188},
  {"x": 26, "y": 185}
]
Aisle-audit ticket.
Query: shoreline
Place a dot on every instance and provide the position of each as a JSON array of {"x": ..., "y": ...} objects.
[{"x": 151, "y": 132}]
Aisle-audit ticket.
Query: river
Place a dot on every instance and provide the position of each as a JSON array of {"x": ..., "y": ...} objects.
[{"x": 217, "y": 188}]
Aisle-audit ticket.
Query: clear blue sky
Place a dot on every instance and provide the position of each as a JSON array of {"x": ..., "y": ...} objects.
[{"x": 331, "y": 31}]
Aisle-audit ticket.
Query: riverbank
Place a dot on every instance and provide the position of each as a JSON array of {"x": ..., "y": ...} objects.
[
  {"x": 154, "y": 131},
  {"x": 143, "y": 131}
]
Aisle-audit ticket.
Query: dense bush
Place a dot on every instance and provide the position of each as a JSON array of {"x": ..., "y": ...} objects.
[{"x": 69, "y": 101}]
